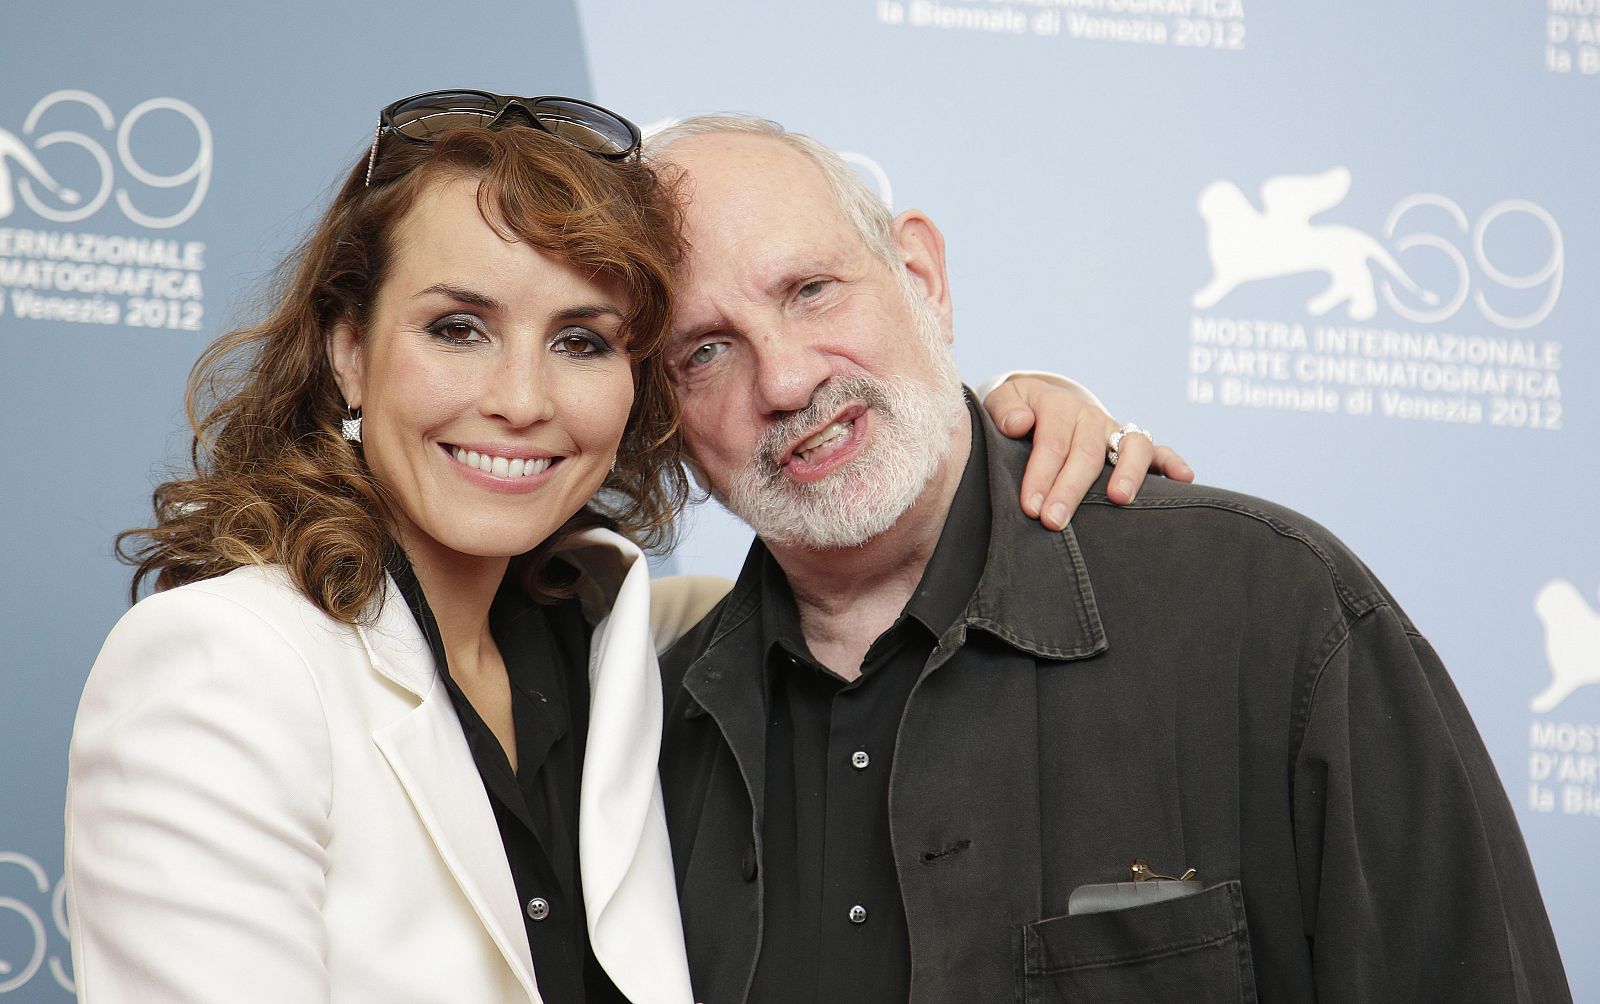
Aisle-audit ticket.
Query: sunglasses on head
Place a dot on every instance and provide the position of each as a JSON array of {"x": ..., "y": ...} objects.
[{"x": 422, "y": 118}]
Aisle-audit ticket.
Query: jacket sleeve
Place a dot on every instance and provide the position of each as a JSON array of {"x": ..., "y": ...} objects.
[
  {"x": 1414, "y": 878},
  {"x": 991, "y": 384},
  {"x": 198, "y": 793},
  {"x": 677, "y": 603}
]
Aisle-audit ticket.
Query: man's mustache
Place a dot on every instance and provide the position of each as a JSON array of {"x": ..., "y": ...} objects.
[{"x": 830, "y": 398}]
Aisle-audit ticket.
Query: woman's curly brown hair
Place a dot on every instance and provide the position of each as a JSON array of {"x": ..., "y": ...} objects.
[{"x": 274, "y": 483}]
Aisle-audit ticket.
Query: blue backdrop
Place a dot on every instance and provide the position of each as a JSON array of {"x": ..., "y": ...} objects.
[{"x": 1341, "y": 254}]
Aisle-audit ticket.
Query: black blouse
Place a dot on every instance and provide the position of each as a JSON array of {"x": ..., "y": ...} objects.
[{"x": 546, "y": 652}]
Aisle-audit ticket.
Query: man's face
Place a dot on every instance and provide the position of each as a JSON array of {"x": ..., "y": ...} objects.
[{"x": 817, "y": 388}]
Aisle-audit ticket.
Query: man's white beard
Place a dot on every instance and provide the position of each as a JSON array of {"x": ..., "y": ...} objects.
[{"x": 912, "y": 423}]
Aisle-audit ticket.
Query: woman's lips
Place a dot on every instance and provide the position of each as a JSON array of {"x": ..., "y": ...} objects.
[{"x": 501, "y": 466}]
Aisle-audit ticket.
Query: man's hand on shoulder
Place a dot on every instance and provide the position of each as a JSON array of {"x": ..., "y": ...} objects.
[{"x": 1071, "y": 431}]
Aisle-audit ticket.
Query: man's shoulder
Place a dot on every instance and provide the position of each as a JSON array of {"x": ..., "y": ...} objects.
[
  {"x": 1228, "y": 532},
  {"x": 1233, "y": 525},
  {"x": 1201, "y": 501}
]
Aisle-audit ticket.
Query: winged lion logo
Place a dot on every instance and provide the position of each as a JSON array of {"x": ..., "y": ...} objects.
[
  {"x": 1247, "y": 244},
  {"x": 1571, "y": 642}
]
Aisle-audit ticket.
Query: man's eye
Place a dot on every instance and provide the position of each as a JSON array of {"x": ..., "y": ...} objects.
[
  {"x": 812, "y": 289},
  {"x": 705, "y": 353}
]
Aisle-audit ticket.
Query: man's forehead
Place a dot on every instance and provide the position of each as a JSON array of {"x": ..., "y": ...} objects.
[
  {"x": 759, "y": 215},
  {"x": 736, "y": 175},
  {"x": 729, "y": 148}
]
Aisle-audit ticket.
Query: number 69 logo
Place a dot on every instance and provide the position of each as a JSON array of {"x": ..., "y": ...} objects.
[
  {"x": 1548, "y": 274},
  {"x": 60, "y": 204},
  {"x": 16, "y": 972}
]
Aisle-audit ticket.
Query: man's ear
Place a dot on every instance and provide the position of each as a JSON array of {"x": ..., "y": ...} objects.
[
  {"x": 344, "y": 355},
  {"x": 922, "y": 249}
]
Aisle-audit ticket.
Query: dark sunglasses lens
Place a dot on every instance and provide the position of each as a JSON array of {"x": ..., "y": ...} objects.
[
  {"x": 587, "y": 127},
  {"x": 429, "y": 116}
]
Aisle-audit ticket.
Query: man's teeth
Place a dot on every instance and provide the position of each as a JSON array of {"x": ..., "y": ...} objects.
[
  {"x": 501, "y": 466},
  {"x": 829, "y": 434}
]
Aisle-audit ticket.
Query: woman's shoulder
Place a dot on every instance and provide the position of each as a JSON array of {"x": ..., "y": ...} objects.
[
  {"x": 255, "y": 582},
  {"x": 244, "y": 647},
  {"x": 255, "y": 604}
]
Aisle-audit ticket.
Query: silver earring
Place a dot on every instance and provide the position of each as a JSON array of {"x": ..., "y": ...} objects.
[
  {"x": 613, "y": 465},
  {"x": 350, "y": 428}
]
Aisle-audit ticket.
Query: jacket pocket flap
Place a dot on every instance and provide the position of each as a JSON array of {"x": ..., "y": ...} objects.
[{"x": 1207, "y": 918}]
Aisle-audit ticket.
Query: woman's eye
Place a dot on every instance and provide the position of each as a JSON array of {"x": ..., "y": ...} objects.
[
  {"x": 457, "y": 329},
  {"x": 580, "y": 342}
]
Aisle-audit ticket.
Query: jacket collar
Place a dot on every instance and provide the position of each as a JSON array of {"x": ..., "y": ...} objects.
[
  {"x": 629, "y": 888},
  {"x": 628, "y": 885},
  {"x": 395, "y": 645},
  {"x": 428, "y": 753},
  {"x": 1035, "y": 593},
  {"x": 726, "y": 680}
]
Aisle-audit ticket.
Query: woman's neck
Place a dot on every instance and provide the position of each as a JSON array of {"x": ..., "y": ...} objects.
[{"x": 460, "y": 589}]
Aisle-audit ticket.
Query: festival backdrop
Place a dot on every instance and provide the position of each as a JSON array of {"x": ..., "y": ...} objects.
[{"x": 1342, "y": 255}]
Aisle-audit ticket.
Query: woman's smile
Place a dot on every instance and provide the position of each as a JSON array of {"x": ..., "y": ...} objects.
[{"x": 503, "y": 470}]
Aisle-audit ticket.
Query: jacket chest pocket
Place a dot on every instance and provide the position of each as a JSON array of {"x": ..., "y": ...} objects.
[{"x": 1191, "y": 949}]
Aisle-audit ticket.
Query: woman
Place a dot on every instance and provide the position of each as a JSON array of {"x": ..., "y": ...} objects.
[
  {"x": 339, "y": 755},
  {"x": 271, "y": 796}
]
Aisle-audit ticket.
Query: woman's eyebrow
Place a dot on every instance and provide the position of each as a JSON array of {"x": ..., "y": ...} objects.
[
  {"x": 464, "y": 295},
  {"x": 589, "y": 310}
]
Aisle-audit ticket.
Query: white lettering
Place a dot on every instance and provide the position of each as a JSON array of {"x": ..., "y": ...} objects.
[
  {"x": 1564, "y": 737},
  {"x": 74, "y": 310}
]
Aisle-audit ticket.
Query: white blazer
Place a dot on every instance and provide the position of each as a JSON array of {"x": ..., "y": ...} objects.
[{"x": 264, "y": 804}]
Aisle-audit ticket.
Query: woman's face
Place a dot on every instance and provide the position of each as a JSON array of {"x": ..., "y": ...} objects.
[{"x": 492, "y": 382}]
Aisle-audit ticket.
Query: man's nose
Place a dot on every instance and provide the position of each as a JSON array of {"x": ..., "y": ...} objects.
[{"x": 789, "y": 369}]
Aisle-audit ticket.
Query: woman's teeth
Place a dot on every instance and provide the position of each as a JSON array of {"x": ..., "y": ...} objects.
[
  {"x": 501, "y": 466},
  {"x": 829, "y": 434}
]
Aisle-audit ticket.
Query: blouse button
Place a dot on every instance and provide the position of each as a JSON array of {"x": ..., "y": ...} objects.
[{"x": 538, "y": 908}]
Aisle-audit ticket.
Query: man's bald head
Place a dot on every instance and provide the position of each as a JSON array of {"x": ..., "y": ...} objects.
[{"x": 865, "y": 211}]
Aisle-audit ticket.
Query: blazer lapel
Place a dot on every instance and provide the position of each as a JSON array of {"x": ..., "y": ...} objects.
[
  {"x": 428, "y": 753},
  {"x": 629, "y": 889}
]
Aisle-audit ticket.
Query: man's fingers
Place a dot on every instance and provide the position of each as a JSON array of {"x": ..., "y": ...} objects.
[
  {"x": 1069, "y": 448},
  {"x": 1010, "y": 409},
  {"x": 1168, "y": 464},
  {"x": 1044, "y": 463},
  {"x": 1083, "y": 464},
  {"x": 1024, "y": 405},
  {"x": 1134, "y": 455}
]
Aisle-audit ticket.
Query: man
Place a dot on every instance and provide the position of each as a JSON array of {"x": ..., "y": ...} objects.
[{"x": 921, "y": 722}]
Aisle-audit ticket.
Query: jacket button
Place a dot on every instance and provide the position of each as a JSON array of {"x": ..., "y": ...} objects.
[
  {"x": 747, "y": 867},
  {"x": 859, "y": 760},
  {"x": 858, "y": 914},
  {"x": 538, "y": 908}
]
